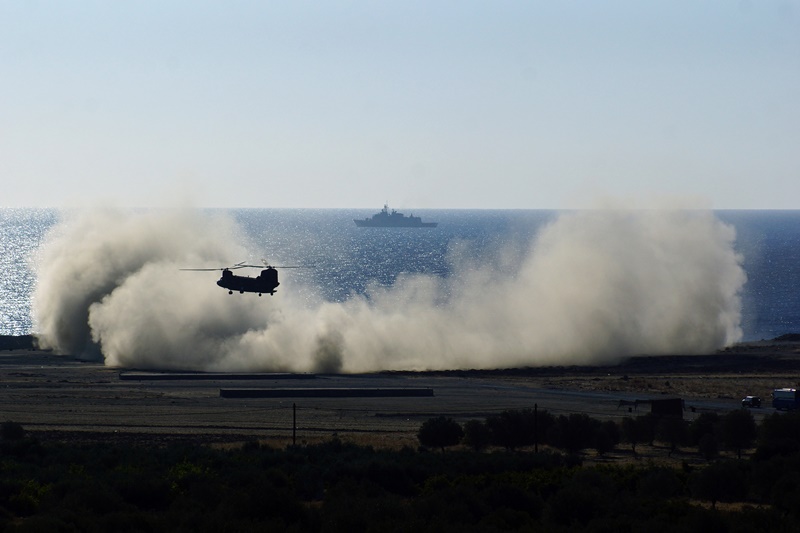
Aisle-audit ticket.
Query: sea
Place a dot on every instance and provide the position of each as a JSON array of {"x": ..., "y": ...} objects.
[{"x": 346, "y": 260}]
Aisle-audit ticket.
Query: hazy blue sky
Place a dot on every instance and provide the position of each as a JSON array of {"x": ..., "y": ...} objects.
[{"x": 451, "y": 104}]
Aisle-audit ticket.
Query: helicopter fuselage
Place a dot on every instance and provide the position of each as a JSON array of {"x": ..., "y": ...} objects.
[{"x": 264, "y": 283}]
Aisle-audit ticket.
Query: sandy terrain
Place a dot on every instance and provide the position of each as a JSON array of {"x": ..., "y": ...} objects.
[{"x": 58, "y": 397}]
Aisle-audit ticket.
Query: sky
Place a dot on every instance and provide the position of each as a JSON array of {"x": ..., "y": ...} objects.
[{"x": 423, "y": 104}]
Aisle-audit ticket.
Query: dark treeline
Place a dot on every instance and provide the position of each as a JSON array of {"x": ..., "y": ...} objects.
[
  {"x": 335, "y": 486},
  {"x": 709, "y": 433}
]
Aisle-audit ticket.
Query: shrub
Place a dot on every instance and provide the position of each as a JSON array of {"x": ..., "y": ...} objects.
[
  {"x": 708, "y": 446},
  {"x": 476, "y": 435},
  {"x": 11, "y": 431},
  {"x": 705, "y": 424},
  {"x": 519, "y": 427},
  {"x": 779, "y": 435},
  {"x": 739, "y": 430},
  {"x": 440, "y": 432},
  {"x": 724, "y": 481},
  {"x": 603, "y": 440},
  {"x": 672, "y": 430},
  {"x": 576, "y": 432},
  {"x": 631, "y": 432}
]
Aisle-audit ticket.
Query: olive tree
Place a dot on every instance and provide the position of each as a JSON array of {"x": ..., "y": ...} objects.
[
  {"x": 739, "y": 430},
  {"x": 440, "y": 432}
]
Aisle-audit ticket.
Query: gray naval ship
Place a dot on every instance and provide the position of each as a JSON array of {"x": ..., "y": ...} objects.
[{"x": 393, "y": 219}]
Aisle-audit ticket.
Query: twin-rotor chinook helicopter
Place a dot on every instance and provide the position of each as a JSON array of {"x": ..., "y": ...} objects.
[{"x": 264, "y": 283}]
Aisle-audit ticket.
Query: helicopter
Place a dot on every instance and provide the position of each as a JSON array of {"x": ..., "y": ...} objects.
[{"x": 265, "y": 283}]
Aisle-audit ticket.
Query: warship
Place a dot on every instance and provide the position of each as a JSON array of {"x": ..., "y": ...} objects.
[{"x": 393, "y": 219}]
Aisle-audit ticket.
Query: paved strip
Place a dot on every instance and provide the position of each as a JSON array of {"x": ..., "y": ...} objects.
[
  {"x": 326, "y": 393},
  {"x": 234, "y": 376}
]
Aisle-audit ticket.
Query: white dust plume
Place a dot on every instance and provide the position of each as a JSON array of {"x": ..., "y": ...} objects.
[{"x": 593, "y": 287}]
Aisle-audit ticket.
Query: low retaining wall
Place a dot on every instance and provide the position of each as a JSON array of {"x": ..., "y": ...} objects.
[
  {"x": 324, "y": 393},
  {"x": 155, "y": 376}
]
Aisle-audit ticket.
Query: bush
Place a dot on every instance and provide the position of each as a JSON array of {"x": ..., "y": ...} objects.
[
  {"x": 11, "y": 431},
  {"x": 779, "y": 435},
  {"x": 739, "y": 430},
  {"x": 658, "y": 482},
  {"x": 708, "y": 446},
  {"x": 705, "y": 424},
  {"x": 476, "y": 435},
  {"x": 603, "y": 441},
  {"x": 576, "y": 432},
  {"x": 440, "y": 432},
  {"x": 724, "y": 481},
  {"x": 632, "y": 432},
  {"x": 519, "y": 427},
  {"x": 510, "y": 429},
  {"x": 674, "y": 431}
]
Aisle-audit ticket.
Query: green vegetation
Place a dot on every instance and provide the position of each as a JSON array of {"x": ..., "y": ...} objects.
[{"x": 335, "y": 486}]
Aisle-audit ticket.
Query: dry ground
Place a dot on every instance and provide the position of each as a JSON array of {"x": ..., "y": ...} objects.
[{"x": 58, "y": 397}]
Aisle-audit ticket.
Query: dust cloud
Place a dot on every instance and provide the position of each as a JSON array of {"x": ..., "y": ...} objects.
[{"x": 593, "y": 287}]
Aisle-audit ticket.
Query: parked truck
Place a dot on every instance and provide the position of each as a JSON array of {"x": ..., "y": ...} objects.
[{"x": 785, "y": 399}]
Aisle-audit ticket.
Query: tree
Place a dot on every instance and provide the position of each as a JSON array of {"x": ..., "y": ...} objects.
[
  {"x": 707, "y": 446},
  {"x": 723, "y": 481},
  {"x": 705, "y": 424},
  {"x": 647, "y": 426},
  {"x": 612, "y": 429},
  {"x": 476, "y": 435},
  {"x": 739, "y": 430},
  {"x": 505, "y": 430},
  {"x": 631, "y": 432},
  {"x": 574, "y": 432},
  {"x": 10, "y": 430},
  {"x": 780, "y": 435},
  {"x": 518, "y": 427},
  {"x": 440, "y": 432},
  {"x": 672, "y": 430},
  {"x": 603, "y": 440},
  {"x": 786, "y": 493}
]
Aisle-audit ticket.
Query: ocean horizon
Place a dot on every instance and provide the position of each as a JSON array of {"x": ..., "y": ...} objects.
[{"x": 347, "y": 261}]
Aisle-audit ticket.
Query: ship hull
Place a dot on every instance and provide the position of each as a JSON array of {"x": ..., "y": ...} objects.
[
  {"x": 370, "y": 224},
  {"x": 385, "y": 219}
]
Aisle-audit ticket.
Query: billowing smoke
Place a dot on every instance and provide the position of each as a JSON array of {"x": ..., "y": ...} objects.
[{"x": 593, "y": 287}]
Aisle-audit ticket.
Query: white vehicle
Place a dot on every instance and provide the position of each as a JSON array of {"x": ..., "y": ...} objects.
[
  {"x": 785, "y": 399},
  {"x": 751, "y": 401}
]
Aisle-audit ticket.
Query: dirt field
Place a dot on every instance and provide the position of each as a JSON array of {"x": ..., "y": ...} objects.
[{"x": 58, "y": 397}]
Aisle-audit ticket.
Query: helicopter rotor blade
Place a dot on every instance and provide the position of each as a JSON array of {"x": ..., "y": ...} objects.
[
  {"x": 232, "y": 267},
  {"x": 289, "y": 266},
  {"x": 243, "y": 265},
  {"x": 268, "y": 265}
]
